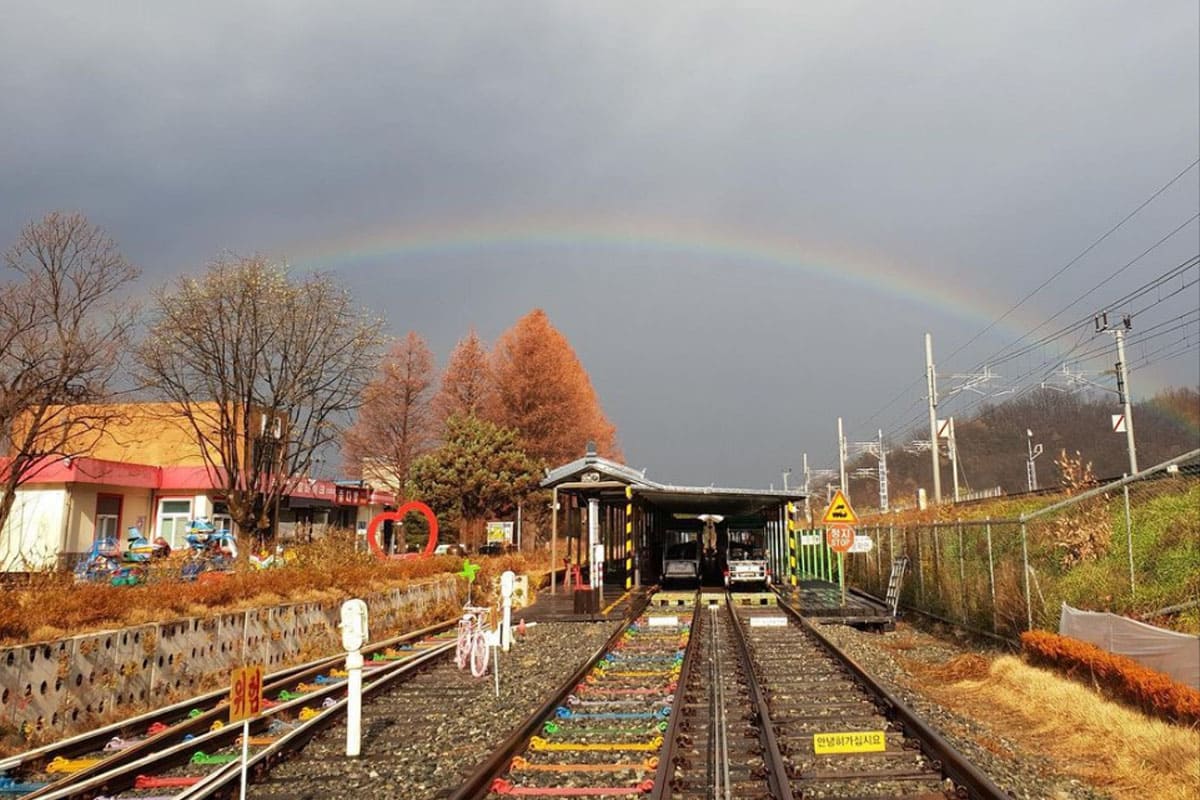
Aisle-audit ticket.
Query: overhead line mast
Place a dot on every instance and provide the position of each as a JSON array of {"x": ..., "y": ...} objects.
[{"x": 931, "y": 383}]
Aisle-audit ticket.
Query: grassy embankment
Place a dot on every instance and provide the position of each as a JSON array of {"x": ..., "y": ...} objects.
[{"x": 1165, "y": 533}]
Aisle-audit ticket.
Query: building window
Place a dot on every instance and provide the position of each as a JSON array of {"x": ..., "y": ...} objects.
[
  {"x": 108, "y": 516},
  {"x": 173, "y": 517},
  {"x": 220, "y": 518}
]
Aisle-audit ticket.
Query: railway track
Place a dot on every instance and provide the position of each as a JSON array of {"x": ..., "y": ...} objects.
[
  {"x": 189, "y": 739},
  {"x": 763, "y": 708},
  {"x": 724, "y": 697},
  {"x": 603, "y": 739},
  {"x": 817, "y": 723},
  {"x": 414, "y": 687}
]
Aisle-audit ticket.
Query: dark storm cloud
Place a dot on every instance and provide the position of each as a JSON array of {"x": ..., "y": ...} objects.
[{"x": 980, "y": 146}]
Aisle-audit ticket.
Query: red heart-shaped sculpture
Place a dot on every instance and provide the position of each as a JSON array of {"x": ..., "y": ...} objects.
[{"x": 398, "y": 515}]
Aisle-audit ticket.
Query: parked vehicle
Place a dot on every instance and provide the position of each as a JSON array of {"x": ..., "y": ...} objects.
[
  {"x": 681, "y": 558},
  {"x": 746, "y": 560}
]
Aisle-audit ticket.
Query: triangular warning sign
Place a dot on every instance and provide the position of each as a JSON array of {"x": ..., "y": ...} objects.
[{"x": 839, "y": 511}]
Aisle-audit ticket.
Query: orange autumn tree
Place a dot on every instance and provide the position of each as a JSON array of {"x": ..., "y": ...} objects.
[
  {"x": 544, "y": 393},
  {"x": 395, "y": 423},
  {"x": 467, "y": 386}
]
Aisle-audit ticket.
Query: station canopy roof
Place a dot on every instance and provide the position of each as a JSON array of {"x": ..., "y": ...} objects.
[
  {"x": 715, "y": 500},
  {"x": 610, "y": 477}
]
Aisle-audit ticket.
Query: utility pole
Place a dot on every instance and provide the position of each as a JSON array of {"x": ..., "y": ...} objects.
[
  {"x": 946, "y": 429},
  {"x": 807, "y": 507},
  {"x": 1035, "y": 450},
  {"x": 1122, "y": 380},
  {"x": 842, "y": 460},
  {"x": 883, "y": 484},
  {"x": 931, "y": 382},
  {"x": 786, "y": 471}
]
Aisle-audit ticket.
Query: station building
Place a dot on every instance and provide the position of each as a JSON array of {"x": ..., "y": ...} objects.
[
  {"x": 638, "y": 523},
  {"x": 147, "y": 470}
]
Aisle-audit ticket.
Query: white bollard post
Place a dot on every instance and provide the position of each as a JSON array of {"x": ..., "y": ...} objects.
[
  {"x": 354, "y": 666},
  {"x": 508, "y": 582},
  {"x": 354, "y": 635}
]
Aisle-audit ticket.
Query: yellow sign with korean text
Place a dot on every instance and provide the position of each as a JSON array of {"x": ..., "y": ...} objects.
[
  {"x": 839, "y": 511},
  {"x": 245, "y": 693},
  {"x": 849, "y": 742}
]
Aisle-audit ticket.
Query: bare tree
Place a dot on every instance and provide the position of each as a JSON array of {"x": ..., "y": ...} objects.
[
  {"x": 394, "y": 425},
  {"x": 65, "y": 326},
  {"x": 264, "y": 369}
]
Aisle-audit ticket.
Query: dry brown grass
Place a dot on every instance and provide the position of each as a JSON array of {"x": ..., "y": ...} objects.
[
  {"x": 328, "y": 570},
  {"x": 1108, "y": 745}
]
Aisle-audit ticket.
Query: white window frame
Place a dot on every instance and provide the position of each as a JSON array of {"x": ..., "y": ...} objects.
[{"x": 176, "y": 538}]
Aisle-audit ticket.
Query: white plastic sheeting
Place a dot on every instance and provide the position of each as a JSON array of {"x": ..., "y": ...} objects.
[{"x": 1174, "y": 654}]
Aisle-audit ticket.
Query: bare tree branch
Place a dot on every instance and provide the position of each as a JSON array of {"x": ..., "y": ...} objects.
[
  {"x": 264, "y": 369},
  {"x": 65, "y": 326}
]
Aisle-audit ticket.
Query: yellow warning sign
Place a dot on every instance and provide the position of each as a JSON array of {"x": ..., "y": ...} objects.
[
  {"x": 839, "y": 511},
  {"x": 849, "y": 742}
]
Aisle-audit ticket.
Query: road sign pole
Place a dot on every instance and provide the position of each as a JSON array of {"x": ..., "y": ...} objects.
[
  {"x": 245, "y": 755},
  {"x": 842, "y": 577}
]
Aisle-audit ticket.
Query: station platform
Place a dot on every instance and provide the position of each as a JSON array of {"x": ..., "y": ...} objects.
[
  {"x": 612, "y": 603},
  {"x": 821, "y": 601}
]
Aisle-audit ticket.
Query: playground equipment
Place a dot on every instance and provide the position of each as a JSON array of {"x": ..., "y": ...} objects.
[{"x": 209, "y": 549}]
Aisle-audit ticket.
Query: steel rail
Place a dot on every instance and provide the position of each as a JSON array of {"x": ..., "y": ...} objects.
[
  {"x": 947, "y": 759},
  {"x": 778, "y": 781},
  {"x": 218, "y": 781},
  {"x": 110, "y": 775},
  {"x": 94, "y": 740},
  {"x": 719, "y": 732},
  {"x": 478, "y": 784},
  {"x": 666, "y": 758}
]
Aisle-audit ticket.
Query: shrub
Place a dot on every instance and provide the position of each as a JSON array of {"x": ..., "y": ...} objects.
[{"x": 1151, "y": 691}]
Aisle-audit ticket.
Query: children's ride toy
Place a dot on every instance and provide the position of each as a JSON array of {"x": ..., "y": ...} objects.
[
  {"x": 104, "y": 565},
  {"x": 139, "y": 549},
  {"x": 209, "y": 550}
]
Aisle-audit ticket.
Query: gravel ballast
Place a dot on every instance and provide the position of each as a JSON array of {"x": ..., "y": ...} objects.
[
  {"x": 1023, "y": 774},
  {"x": 421, "y": 738}
]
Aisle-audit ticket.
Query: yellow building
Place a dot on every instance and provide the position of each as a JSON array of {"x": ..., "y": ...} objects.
[{"x": 146, "y": 470}]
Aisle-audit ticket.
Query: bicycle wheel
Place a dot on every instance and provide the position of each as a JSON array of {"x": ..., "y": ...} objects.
[
  {"x": 462, "y": 646},
  {"x": 479, "y": 653}
]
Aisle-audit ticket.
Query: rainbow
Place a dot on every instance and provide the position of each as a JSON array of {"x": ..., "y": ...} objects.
[{"x": 857, "y": 270}]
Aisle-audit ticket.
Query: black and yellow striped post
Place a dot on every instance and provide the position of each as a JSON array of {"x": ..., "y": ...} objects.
[
  {"x": 791, "y": 531},
  {"x": 628, "y": 538}
]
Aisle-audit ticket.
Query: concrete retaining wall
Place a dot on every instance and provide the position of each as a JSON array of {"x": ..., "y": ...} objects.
[{"x": 66, "y": 686}]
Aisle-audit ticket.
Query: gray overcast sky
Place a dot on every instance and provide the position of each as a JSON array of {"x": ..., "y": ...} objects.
[{"x": 743, "y": 220}]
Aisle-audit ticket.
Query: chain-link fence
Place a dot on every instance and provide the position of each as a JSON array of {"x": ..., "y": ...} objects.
[{"x": 1131, "y": 546}]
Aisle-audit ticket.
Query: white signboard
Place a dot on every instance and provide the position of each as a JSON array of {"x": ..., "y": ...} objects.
[
  {"x": 768, "y": 622},
  {"x": 663, "y": 621},
  {"x": 862, "y": 544},
  {"x": 1118, "y": 423},
  {"x": 810, "y": 539}
]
